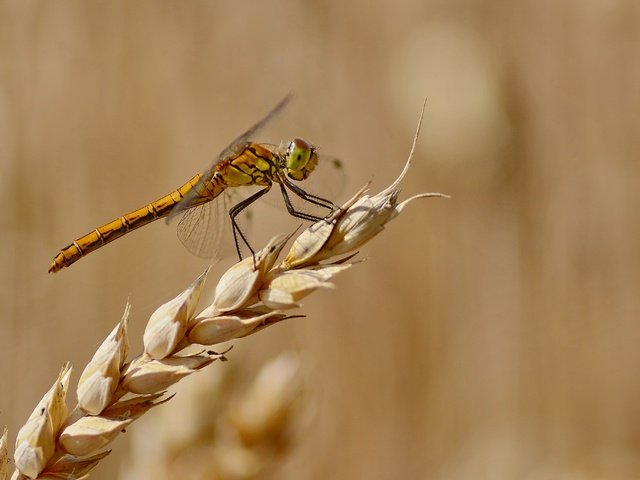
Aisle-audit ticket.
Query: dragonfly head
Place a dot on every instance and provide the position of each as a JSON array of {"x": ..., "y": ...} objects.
[{"x": 301, "y": 159}]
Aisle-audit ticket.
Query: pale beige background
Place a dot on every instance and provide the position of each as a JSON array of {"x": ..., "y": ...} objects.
[{"x": 492, "y": 336}]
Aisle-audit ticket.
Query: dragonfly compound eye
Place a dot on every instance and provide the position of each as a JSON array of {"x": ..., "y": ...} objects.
[{"x": 298, "y": 155}]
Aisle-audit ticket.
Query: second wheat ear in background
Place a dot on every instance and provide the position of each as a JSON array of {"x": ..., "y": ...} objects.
[{"x": 243, "y": 163}]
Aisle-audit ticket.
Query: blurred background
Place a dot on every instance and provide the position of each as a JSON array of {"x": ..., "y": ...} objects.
[{"x": 491, "y": 336}]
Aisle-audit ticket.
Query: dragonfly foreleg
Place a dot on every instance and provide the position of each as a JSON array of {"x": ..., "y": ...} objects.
[
  {"x": 292, "y": 211},
  {"x": 233, "y": 213},
  {"x": 321, "y": 202}
]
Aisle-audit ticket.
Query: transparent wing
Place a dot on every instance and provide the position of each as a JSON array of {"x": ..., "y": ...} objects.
[
  {"x": 202, "y": 228},
  {"x": 232, "y": 149},
  {"x": 327, "y": 180},
  {"x": 205, "y": 230},
  {"x": 238, "y": 144}
]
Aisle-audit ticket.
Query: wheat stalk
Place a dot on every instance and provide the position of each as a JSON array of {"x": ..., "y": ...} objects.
[{"x": 253, "y": 294}]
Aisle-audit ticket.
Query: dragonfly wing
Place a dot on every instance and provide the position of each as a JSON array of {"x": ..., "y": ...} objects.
[
  {"x": 239, "y": 143},
  {"x": 205, "y": 230},
  {"x": 234, "y": 148},
  {"x": 327, "y": 180},
  {"x": 202, "y": 228}
]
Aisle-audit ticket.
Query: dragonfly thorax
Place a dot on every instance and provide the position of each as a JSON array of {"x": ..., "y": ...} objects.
[{"x": 301, "y": 159}]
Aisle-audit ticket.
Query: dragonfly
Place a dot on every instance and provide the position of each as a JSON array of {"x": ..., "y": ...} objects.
[{"x": 243, "y": 163}]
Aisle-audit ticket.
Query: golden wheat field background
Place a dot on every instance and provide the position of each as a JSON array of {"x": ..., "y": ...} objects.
[{"x": 495, "y": 335}]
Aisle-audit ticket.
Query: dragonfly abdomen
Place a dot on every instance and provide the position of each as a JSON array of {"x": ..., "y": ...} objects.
[{"x": 130, "y": 221}]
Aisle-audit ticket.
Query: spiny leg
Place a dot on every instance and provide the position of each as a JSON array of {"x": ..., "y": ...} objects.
[
  {"x": 233, "y": 213},
  {"x": 292, "y": 211},
  {"x": 314, "y": 199}
]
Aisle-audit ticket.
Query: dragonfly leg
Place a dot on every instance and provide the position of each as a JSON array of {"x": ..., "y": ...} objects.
[
  {"x": 293, "y": 211},
  {"x": 321, "y": 202},
  {"x": 233, "y": 213}
]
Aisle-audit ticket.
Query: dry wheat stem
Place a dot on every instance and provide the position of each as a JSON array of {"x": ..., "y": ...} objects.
[{"x": 252, "y": 295}]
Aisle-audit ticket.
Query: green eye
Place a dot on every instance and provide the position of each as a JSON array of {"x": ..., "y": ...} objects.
[{"x": 298, "y": 155}]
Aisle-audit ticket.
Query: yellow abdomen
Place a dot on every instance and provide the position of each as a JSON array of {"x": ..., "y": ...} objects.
[{"x": 130, "y": 221}]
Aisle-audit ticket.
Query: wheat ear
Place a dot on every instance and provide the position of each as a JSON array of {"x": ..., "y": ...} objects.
[{"x": 253, "y": 294}]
